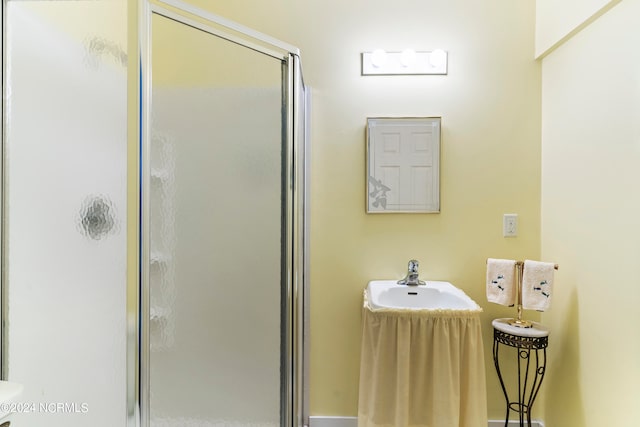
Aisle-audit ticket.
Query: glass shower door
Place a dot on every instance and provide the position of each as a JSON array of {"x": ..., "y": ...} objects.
[
  {"x": 64, "y": 318},
  {"x": 217, "y": 241}
]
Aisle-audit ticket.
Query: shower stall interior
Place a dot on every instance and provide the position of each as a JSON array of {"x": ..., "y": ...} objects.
[{"x": 154, "y": 225}]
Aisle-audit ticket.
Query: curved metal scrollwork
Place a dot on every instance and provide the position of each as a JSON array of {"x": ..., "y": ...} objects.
[{"x": 519, "y": 341}]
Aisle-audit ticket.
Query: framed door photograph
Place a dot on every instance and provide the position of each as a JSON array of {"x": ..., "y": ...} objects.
[{"x": 403, "y": 165}]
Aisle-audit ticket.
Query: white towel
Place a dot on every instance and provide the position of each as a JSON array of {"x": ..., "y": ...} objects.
[
  {"x": 537, "y": 285},
  {"x": 501, "y": 281}
]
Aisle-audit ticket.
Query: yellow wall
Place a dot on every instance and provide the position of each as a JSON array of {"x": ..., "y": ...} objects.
[
  {"x": 590, "y": 211},
  {"x": 490, "y": 108}
]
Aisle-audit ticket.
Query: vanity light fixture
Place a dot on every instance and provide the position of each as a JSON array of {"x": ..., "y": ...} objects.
[{"x": 408, "y": 61}]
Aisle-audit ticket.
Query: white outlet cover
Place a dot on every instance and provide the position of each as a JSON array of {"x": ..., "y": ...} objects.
[{"x": 510, "y": 225}]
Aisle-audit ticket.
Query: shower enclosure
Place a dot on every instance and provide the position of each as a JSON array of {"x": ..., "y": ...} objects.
[
  {"x": 153, "y": 222},
  {"x": 221, "y": 247}
]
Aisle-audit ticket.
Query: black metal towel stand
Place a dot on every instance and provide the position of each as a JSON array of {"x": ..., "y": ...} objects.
[{"x": 530, "y": 372}]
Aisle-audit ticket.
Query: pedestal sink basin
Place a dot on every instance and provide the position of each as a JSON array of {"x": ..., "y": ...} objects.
[{"x": 434, "y": 295}]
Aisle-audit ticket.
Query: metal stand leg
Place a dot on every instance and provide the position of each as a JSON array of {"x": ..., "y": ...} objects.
[{"x": 496, "y": 362}]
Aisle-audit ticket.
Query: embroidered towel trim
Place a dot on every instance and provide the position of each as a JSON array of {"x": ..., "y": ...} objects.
[
  {"x": 501, "y": 281},
  {"x": 537, "y": 285}
]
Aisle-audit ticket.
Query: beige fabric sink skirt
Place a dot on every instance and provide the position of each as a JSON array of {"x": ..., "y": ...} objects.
[{"x": 422, "y": 369}]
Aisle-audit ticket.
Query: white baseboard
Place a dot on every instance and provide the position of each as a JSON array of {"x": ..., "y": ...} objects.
[
  {"x": 333, "y": 421},
  {"x": 317, "y": 421},
  {"x": 512, "y": 423}
]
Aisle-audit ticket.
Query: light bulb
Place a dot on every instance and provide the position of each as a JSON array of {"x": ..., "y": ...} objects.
[
  {"x": 408, "y": 57},
  {"x": 378, "y": 58},
  {"x": 437, "y": 58}
]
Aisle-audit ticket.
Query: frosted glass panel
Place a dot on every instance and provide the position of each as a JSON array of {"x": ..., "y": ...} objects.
[
  {"x": 65, "y": 194},
  {"x": 215, "y": 231}
]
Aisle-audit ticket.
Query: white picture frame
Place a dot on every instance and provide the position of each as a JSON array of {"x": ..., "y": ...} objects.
[{"x": 403, "y": 165}]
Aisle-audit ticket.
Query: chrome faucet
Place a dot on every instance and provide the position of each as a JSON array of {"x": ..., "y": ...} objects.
[{"x": 412, "y": 275}]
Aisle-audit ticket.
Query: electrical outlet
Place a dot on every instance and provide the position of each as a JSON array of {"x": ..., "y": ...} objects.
[{"x": 510, "y": 225}]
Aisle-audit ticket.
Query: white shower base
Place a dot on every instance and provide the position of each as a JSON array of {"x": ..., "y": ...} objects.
[{"x": 192, "y": 422}]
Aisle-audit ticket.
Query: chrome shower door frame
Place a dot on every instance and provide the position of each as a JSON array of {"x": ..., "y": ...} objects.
[
  {"x": 3, "y": 281},
  {"x": 294, "y": 344}
]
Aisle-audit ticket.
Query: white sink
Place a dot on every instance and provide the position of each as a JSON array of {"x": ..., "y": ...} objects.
[
  {"x": 9, "y": 391},
  {"x": 432, "y": 296}
]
